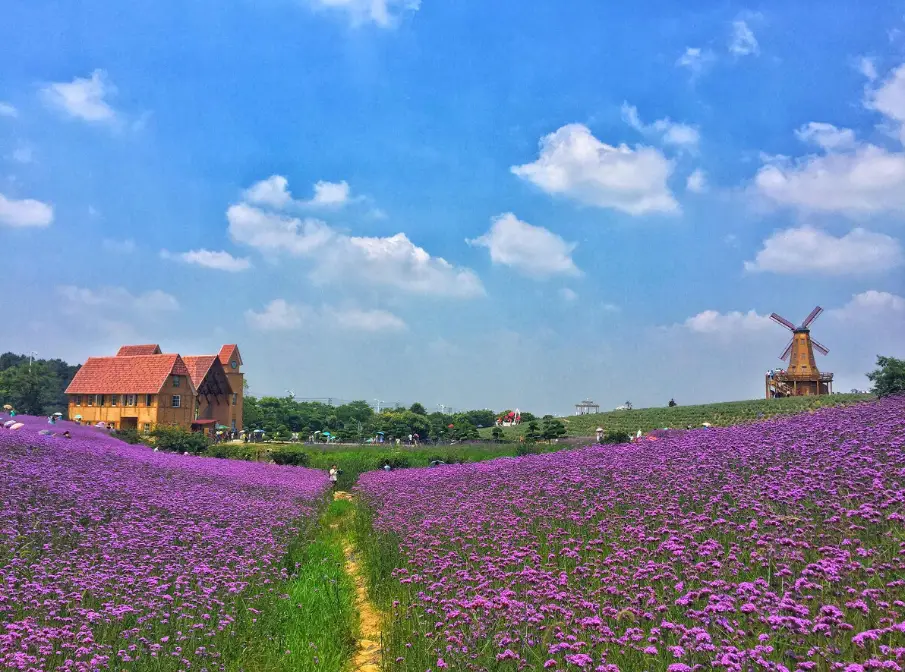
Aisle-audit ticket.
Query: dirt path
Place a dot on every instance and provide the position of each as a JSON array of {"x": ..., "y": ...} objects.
[{"x": 367, "y": 657}]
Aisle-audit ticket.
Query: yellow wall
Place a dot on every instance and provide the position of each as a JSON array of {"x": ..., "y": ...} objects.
[{"x": 160, "y": 412}]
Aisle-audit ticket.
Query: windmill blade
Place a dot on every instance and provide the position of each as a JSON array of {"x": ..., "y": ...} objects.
[
  {"x": 785, "y": 353},
  {"x": 810, "y": 318},
  {"x": 822, "y": 349},
  {"x": 779, "y": 319}
]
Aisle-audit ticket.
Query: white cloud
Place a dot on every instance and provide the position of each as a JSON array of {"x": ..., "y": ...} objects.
[
  {"x": 23, "y": 154},
  {"x": 278, "y": 315},
  {"x": 697, "y": 182},
  {"x": 696, "y": 59},
  {"x": 889, "y": 100},
  {"x": 742, "y": 42},
  {"x": 827, "y": 136},
  {"x": 119, "y": 298},
  {"x": 371, "y": 321},
  {"x": 808, "y": 250},
  {"x": 118, "y": 246},
  {"x": 869, "y": 306},
  {"x": 331, "y": 194},
  {"x": 868, "y": 180},
  {"x": 384, "y": 13},
  {"x": 534, "y": 250},
  {"x": 24, "y": 213},
  {"x": 7, "y": 110},
  {"x": 392, "y": 261},
  {"x": 272, "y": 232},
  {"x": 726, "y": 324},
  {"x": 568, "y": 295},
  {"x": 666, "y": 130},
  {"x": 867, "y": 68},
  {"x": 273, "y": 192},
  {"x": 218, "y": 260},
  {"x": 575, "y": 164},
  {"x": 83, "y": 98}
]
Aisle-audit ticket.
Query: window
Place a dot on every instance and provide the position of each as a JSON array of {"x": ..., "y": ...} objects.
[
  {"x": 233, "y": 423},
  {"x": 113, "y": 399},
  {"x": 99, "y": 399},
  {"x": 175, "y": 381},
  {"x": 149, "y": 399},
  {"x": 235, "y": 398},
  {"x": 130, "y": 400},
  {"x": 147, "y": 426},
  {"x": 78, "y": 399},
  {"x": 177, "y": 401},
  {"x": 90, "y": 400}
]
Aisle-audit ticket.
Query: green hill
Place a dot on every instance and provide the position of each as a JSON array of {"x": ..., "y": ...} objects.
[{"x": 679, "y": 417}]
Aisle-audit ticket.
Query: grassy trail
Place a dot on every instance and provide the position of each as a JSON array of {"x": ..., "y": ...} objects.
[{"x": 368, "y": 652}]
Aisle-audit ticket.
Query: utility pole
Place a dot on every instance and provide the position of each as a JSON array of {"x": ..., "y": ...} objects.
[
  {"x": 378, "y": 402},
  {"x": 31, "y": 357}
]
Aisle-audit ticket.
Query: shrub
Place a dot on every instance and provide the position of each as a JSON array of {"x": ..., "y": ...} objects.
[
  {"x": 179, "y": 440},
  {"x": 618, "y": 436},
  {"x": 129, "y": 435},
  {"x": 522, "y": 449},
  {"x": 294, "y": 458}
]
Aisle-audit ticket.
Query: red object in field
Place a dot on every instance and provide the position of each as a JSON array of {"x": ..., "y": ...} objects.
[{"x": 449, "y": 426}]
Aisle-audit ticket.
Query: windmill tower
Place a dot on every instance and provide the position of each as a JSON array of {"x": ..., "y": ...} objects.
[{"x": 802, "y": 376}]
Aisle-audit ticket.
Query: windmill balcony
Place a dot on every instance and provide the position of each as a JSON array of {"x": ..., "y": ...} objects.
[{"x": 823, "y": 377}]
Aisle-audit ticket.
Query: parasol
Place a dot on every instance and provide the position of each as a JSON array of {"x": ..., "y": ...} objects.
[
  {"x": 9, "y": 423},
  {"x": 7, "y": 407},
  {"x": 78, "y": 417},
  {"x": 17, "y": 426},
  {"x": 101, "y": 424},
  {"x": 58, "y": 414}
]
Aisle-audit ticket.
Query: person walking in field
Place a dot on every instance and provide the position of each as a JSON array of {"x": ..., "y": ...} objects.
[{"x": 334, "y": 476}]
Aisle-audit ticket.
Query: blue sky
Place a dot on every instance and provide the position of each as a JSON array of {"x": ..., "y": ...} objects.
[{"x": 460, "y": 203}]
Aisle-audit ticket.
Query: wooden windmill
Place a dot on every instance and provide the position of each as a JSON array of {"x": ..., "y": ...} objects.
[{"x": 802, "y": 377}]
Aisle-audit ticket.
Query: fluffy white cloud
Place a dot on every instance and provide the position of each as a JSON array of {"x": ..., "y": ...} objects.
[
  {"x": 889, "y": 100},
  {"x": 868, "y": 180},
  {"x": 330, "y": 194},
  {"x": 868, "y": 68},
  {"x": 695, "y": 59},
  {"x": 83, "y": 98},
  {"x": 218, "y": 260},
  {"x": 271, "y": 232},
  {"x": 827, "y": 136},
  {"x": 667, "y": 131},
  {"x": 24, "y": 213},
  {"x": 392, "y": 261},
  {"x": 383, "y": 13},
  {"x": 726, "y": 324},
  {"x": 534, "y": 250},
  {"x": 280, "y": 315},
  {"x": 742, "y": 41},
  {"x": 7, "y": 110},
  {"x": 870, "y": 306},
  {"x": 273, "y": 191},
  {"x": 809, "y": 250},
  {"x": 575, "y": 164},
  {"x": 119, "y": 298},
  {"x": 23, "y": 154},
  {"x": 118, "y": 246},
  {"x": 697, "y": 182}
]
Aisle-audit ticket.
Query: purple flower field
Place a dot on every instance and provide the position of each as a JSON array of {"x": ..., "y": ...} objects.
[
  {"x": 778, "y": 545},
  {"x": 116, "y": 557}
]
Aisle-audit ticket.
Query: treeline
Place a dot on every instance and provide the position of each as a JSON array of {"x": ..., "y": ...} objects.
[
  {"x": 280, "y": 417},
  {"x": 34, "y": 387}
]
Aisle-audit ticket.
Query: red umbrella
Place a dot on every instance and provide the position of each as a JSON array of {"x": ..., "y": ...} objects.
[{"x": 449, "y": 426}]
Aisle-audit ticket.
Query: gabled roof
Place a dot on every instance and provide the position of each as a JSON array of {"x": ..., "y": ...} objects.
[
  {"x": 227, "y": 352},
  {"x": 198, "y": 366},
  {"x": 139, "y": 374},
  {"x": 132, "y": 350}
]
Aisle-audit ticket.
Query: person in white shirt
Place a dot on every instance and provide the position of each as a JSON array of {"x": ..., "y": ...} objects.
[{"x": 334, "y": 476}]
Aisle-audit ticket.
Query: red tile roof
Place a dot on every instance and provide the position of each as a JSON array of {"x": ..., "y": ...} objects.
[
  {"x": 227, "y": 352},
  {"x": 140, "y": 374},
  {"x": 132, "y": 350},
  {"x": 198, "y": 366}
]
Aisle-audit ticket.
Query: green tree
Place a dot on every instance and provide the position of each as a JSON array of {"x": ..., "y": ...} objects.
[
  {"x": 418, "y": 408},
  {"x": 553, "y": 428},
  {"x": 534, "y": 432},
  {"x": 889, "y": 376},
  {"x": 179, "y": 440},
  {"x": 497, "y": 433},
  {"x": 29, "y": 388}
]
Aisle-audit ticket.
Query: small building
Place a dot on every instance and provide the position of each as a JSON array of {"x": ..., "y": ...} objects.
[
  {"x": 142, "y": 387},
  {"x": 587, "y": 407}
]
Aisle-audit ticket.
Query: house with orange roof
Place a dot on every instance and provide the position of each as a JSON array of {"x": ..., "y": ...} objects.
[{"x": 141, "y": 387}]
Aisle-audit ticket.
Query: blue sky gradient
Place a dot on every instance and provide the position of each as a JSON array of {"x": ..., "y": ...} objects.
[{"x": 128, "y": 132}]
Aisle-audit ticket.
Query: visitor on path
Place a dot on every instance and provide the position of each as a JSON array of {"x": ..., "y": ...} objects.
[
  {"x": 334, "y": 476},
  {"x": 67, "y": 435},
  {"x": 599, "y": 434},
  {"x": 386, "y": 466}
]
